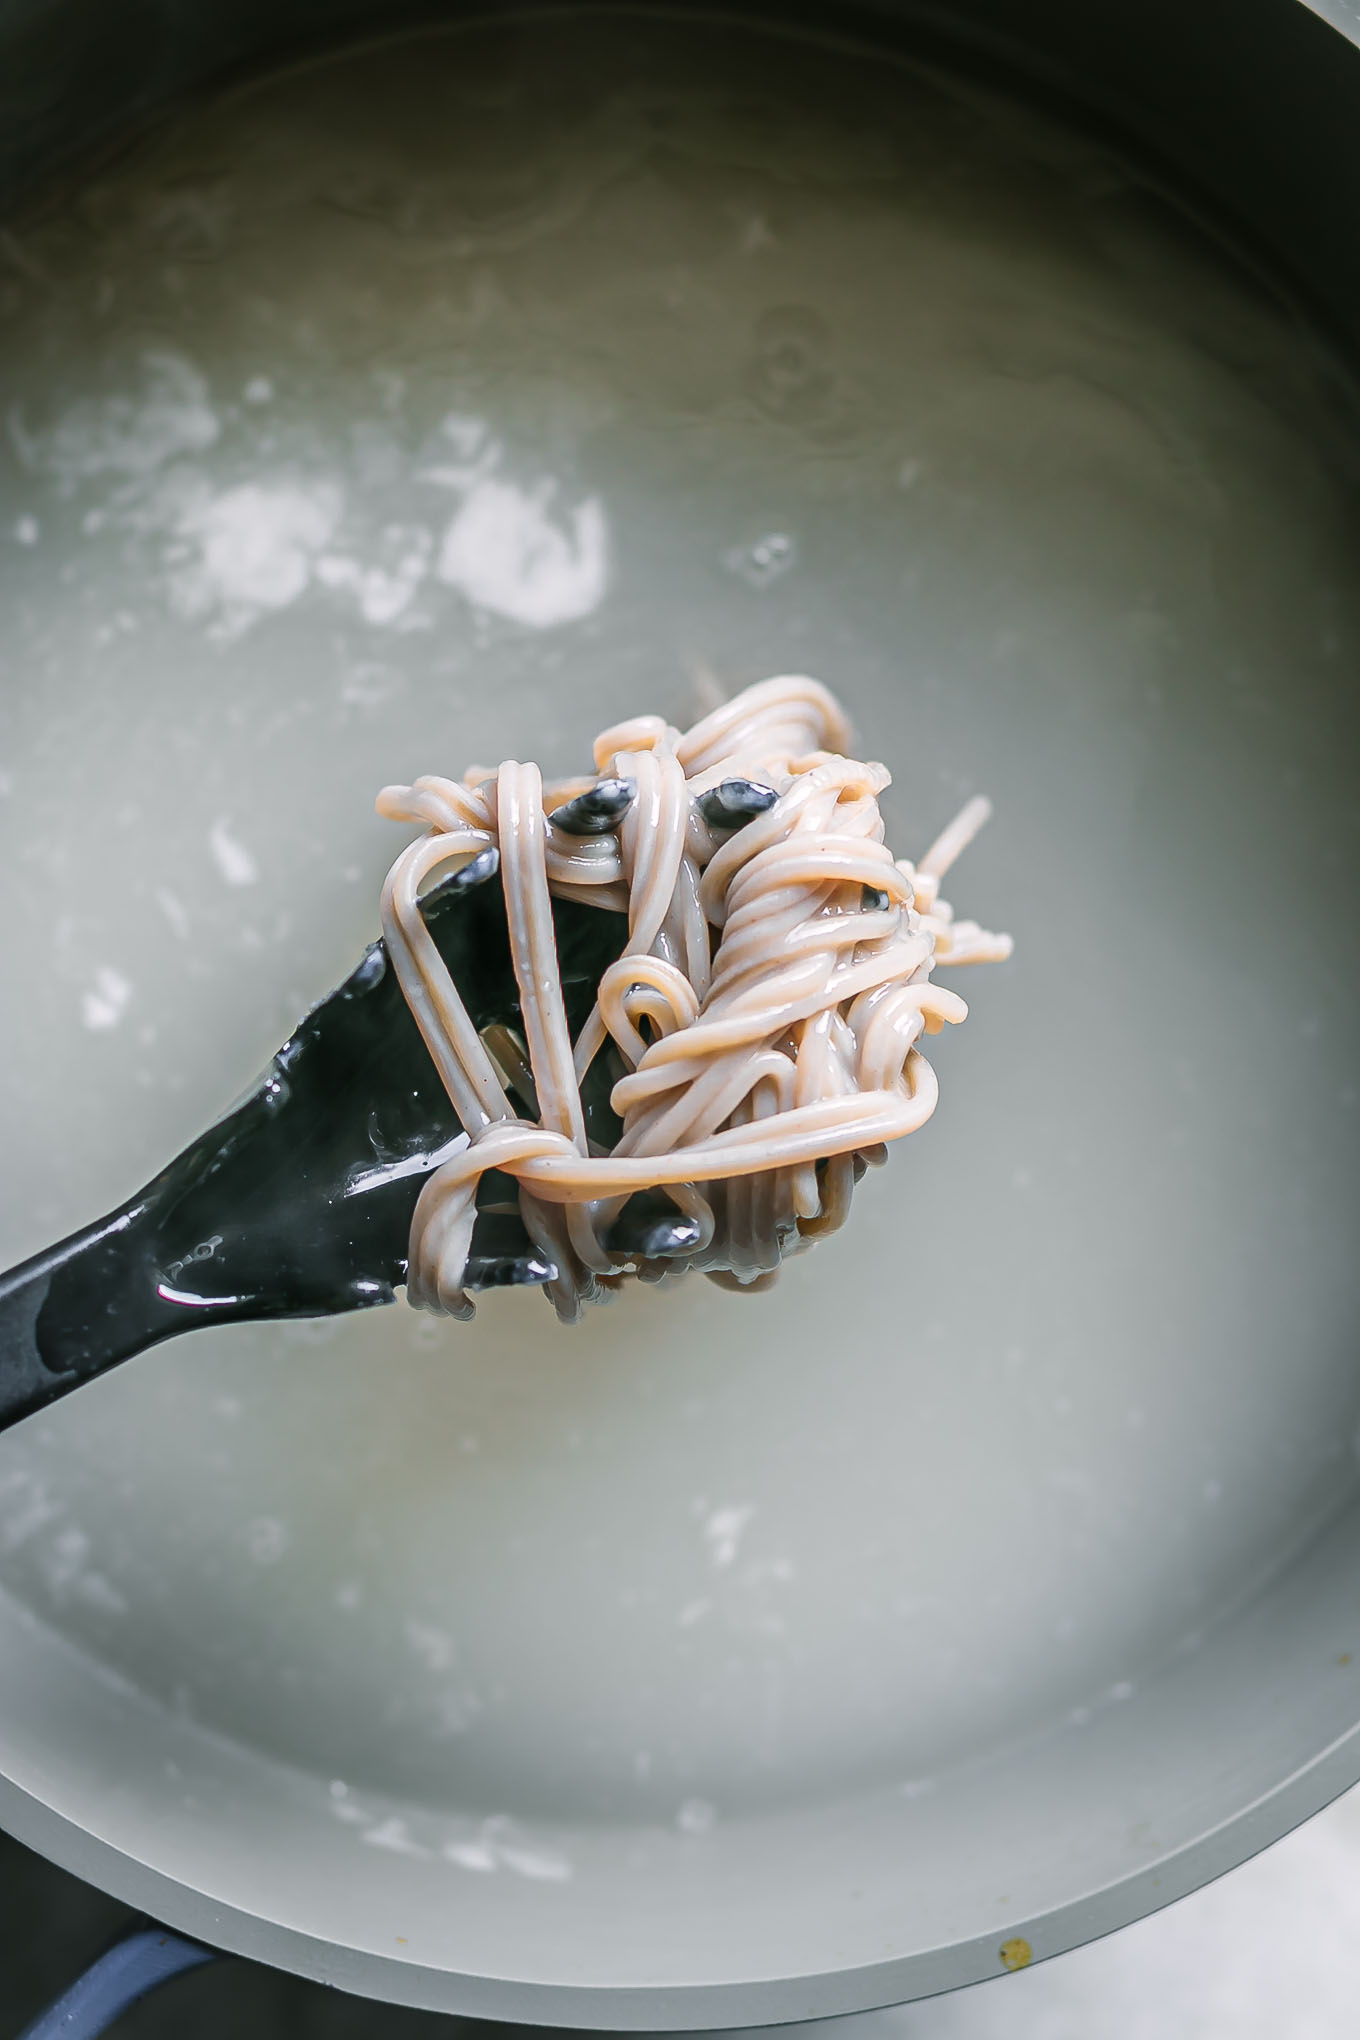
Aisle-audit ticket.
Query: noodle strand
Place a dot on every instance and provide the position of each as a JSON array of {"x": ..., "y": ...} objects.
[{"x": 765, "y": 1010}]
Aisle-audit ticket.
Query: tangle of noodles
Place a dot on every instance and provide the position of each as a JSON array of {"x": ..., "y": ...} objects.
[{"x": 765, "y": 1012}]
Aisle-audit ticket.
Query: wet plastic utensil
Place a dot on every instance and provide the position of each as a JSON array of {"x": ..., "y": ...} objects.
[{"x": 298, "y": 1203}]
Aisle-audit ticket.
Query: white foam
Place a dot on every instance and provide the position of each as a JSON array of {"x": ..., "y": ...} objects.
[
  {"x": 511, "y": 551},
  {"x": 104, "y": 1006},
  {"x": 231, "y": 857}
]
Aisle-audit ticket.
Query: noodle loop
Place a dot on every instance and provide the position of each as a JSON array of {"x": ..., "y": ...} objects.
[{"x": 764, "y": 1012}]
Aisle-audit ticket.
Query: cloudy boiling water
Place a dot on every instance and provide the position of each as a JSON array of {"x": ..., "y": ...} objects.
[{"x": 443, "y": 404}]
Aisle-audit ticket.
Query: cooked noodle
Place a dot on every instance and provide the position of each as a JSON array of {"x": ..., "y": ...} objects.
[{"x": 765, "y": 1010}]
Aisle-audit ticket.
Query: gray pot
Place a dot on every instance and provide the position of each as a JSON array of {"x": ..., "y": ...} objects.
[{"x": 802, "y": 1910}]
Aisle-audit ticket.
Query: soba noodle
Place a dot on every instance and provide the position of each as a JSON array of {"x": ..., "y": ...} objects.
[{"x": 765, "y": 1010}]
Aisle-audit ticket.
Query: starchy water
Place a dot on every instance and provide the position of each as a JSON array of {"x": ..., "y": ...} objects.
[{"x": 444, "y": 403}]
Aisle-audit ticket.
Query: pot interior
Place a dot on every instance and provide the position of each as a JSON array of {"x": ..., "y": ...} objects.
[{"x": 729, "y": 1658}]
